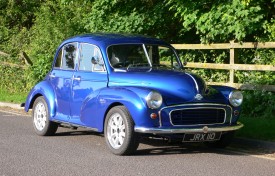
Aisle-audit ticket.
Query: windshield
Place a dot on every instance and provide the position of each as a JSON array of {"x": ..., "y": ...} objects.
[{"x": 129, "y": 56}]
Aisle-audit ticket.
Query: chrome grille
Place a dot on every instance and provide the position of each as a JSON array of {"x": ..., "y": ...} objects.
[{"x": 202, "y": 116}]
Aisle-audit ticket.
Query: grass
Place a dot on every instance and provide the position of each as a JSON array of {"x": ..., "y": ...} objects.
[
  {"x": 257, "y": 128},
  {"x": 6, "y": 96}
]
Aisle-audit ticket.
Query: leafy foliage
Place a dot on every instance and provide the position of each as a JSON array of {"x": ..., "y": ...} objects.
[
  {"x": 55, "y": 21},
  {"x": 223, "y": 21},
  {"x": 148, "y": 17},
  {"x": 16, "y": 17},
  {"x": 9, "y": 79},
  {"x": 259, "y": 104}
]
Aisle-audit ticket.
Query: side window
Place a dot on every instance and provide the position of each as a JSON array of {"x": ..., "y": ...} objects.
[
  {"x": 66, "y": 57},
  {"x": 69, "y": 56},
  {"x": 90, "y": 58}
]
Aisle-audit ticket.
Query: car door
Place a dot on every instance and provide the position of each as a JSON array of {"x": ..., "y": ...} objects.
[
  {"x": 61, "y": 80},
  {"x": 90, "y": 76}
]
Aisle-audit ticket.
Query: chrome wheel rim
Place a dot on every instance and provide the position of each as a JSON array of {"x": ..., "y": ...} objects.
[
  {"x": 116, "y": 131},
  {"x": 40, "y": 116}
]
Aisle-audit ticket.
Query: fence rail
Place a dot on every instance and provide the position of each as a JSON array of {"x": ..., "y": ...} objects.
[
  {"x": 233, "y": 65},
  {"x": 22, "y": 56}
]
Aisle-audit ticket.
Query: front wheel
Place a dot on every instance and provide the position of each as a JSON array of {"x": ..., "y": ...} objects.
[
  {"x": 40, "y": 116},
  {"x": 119, "y": 131}
]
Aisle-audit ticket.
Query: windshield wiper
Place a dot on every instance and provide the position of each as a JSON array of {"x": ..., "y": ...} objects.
[{"x": 138, "y": 65}]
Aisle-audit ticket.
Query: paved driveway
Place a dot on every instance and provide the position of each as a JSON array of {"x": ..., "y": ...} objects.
[{"x": 83, "y": 152}]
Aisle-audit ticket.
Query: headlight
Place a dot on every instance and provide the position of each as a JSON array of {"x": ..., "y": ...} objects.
[
  {"x": 154, "y": 100},
  {"x": 236, "y": 98}
]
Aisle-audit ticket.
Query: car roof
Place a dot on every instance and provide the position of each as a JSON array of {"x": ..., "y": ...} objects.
[{"x": 106, "y": 39}]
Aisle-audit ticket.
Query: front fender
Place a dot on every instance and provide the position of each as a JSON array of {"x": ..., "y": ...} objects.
[
  {"x": 225, "y": 90},
  {"x": 132, "y": 98},
  {"x": 44, "y": 89}
]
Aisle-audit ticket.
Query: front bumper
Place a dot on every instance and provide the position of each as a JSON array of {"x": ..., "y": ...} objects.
[{"x": 204, "y": 129}]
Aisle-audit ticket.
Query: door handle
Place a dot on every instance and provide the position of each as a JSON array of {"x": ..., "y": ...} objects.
[
  {"x": 77, "y": 78},
  {"x": 52, "y": 75}
]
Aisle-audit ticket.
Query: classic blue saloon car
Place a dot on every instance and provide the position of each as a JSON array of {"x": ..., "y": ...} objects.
[{"x": 126, "y": 86}]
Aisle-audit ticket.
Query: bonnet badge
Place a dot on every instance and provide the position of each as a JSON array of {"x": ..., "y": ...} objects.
[{"x": 198, "y": 97}]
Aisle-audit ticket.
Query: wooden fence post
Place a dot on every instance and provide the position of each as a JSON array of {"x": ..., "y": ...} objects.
[
  {"x": 26, "y": 58},
  {"x": 232, "y": 62}
]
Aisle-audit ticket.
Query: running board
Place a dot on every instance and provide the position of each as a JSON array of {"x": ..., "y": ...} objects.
[{"x": 73, "y": 126}]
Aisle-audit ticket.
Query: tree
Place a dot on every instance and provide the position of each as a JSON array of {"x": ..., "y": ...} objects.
[
  {"x": 223, "y": 20},
  {"x": 16, "y": 17},
  {"x": 148, "y": 17}
]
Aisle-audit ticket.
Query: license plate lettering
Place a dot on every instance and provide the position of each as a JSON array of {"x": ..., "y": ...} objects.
[
  {"x": 211, "y": 136},
  {"x": 199, "y": 137}
]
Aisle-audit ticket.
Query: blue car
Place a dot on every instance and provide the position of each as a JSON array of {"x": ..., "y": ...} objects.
[{"x": 127, "y": 87}]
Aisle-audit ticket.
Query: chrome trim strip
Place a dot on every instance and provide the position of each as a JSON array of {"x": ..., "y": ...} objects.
[
  {"x": 146, "y": 53},
  {"x": 224, "y": 118},
  {"x": 187, "y": 130},
  {"x": 195, "y": 104},
  {"x": 197, "y": 86}
]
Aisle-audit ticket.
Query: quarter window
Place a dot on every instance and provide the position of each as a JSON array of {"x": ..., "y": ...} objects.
[{"x": 58, "y": 59}]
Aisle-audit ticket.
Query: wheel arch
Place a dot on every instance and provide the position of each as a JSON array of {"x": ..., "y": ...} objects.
[
  {"x": 33, "y": 100},
  {"x": 42, "y": 89},
  {"x": 133, "y": 98}
]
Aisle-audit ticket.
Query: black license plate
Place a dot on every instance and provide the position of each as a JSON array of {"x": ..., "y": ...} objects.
[{"x": 200, "y": 137}]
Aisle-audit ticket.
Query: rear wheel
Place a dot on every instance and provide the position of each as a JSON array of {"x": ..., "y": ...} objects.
[
  {"x": 225, "y": 141},
  {"x": 119, "y": 131},
  {"x": 40, "y": 115}
]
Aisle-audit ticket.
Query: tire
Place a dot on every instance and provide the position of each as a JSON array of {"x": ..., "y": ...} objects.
[
  {"x": 40, "y": 118},
  {"x": 225, "y": 141},
  {"x": 119, "y": 131}
]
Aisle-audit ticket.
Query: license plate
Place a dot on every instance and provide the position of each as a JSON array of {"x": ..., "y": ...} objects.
[{"x": 200, "y": 137}]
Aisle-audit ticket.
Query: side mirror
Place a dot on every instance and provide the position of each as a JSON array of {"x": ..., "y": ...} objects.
[
  {"x": 98, "y": 65},
  {"x": 184, "y": 63},
  {"x": 94, "y": 61}
]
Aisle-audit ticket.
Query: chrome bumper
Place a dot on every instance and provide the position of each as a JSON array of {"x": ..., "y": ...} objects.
[{"x": 205, "y": 129}]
